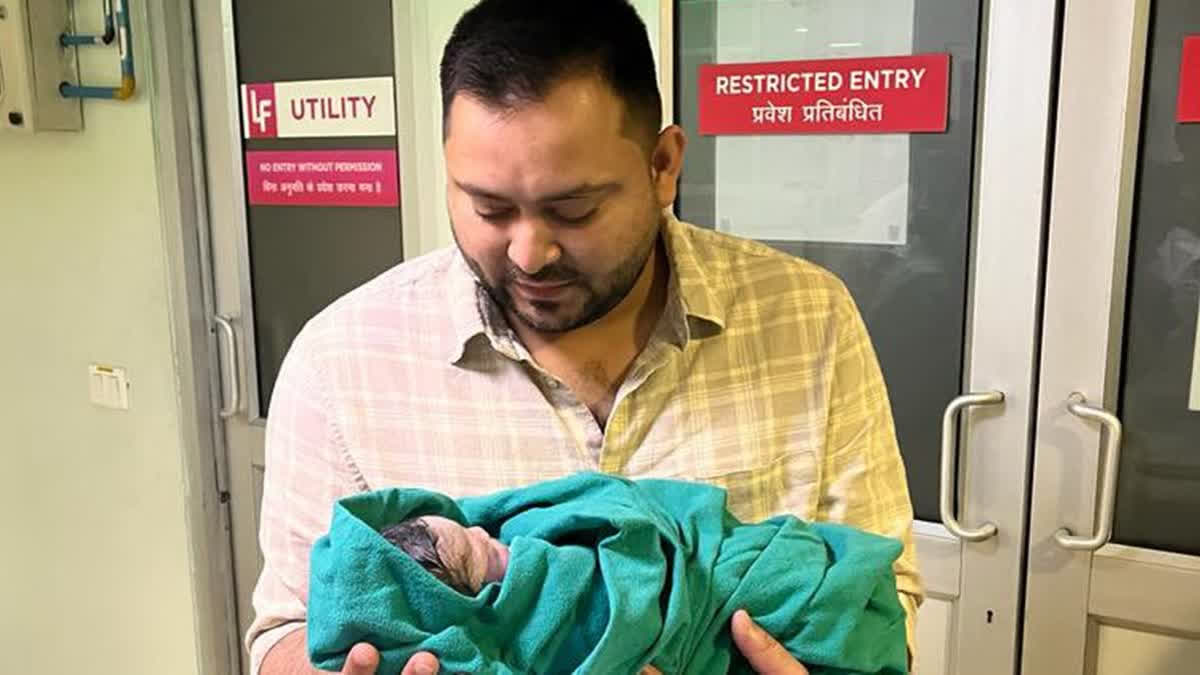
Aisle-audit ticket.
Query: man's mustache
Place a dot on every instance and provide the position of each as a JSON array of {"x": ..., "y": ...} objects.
[{"x": 546, "y": 275}]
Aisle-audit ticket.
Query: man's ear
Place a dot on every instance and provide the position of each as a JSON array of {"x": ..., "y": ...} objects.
[{"x": 666, "y": 163}]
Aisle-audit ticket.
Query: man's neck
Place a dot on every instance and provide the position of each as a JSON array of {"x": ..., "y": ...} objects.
[{"x": 594, "y": 359}]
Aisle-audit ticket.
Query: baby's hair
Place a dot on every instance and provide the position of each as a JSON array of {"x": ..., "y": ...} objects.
[{"x": 414, "y": 537}]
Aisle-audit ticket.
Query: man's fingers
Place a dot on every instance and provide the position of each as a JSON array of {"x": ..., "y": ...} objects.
[
  {"x": 362, "y": 660},
  {"x": 651, "y": 670},
  {"x": 423, "y": 663},
  {"x": 764, "y": 652}
]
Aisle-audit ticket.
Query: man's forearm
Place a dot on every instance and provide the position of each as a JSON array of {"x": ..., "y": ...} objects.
[{"x": 289, "y": 656}]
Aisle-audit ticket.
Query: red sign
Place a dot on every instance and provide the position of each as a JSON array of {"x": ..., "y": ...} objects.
[
  {"x": 322, "y": 178},
  {"x": 1189, "y": 80},
  {"x": 895, "y": 94}
]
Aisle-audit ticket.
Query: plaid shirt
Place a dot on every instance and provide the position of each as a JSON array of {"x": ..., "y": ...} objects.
[{"x": 759, "y": 378}]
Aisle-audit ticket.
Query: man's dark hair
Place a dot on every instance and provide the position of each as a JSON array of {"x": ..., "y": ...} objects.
[
  {"x": 420, "y": 543},
  {"x": 508, "y": 53}
]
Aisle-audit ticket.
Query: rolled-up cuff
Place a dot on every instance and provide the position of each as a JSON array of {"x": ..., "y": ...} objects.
[
  {"x": 910, "y": 604},
  {"x": 264, "y": 641}
]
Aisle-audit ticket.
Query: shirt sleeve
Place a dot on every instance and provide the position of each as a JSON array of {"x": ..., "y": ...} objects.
[
  {"x": 307, "y": 470},
  {"x": 863, "y": 481}
]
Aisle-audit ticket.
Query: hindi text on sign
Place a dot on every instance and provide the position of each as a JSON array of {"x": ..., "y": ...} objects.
[
  {"x": 772, "y": 113},
  {"x": 323, "y": 178},
  {"x": 855, "y": 109}
]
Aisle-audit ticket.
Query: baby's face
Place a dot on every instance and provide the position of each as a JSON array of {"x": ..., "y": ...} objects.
[{"x": 480, "y": 558}]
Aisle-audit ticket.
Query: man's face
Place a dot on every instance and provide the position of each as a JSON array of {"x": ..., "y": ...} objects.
[{"x": 555, "y": 205}]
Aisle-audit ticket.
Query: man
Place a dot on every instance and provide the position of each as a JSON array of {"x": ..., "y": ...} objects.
[{"x": 575, "y": 326}]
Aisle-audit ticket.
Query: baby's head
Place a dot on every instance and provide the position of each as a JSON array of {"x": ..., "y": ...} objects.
[{"x": 464, "y": 558}]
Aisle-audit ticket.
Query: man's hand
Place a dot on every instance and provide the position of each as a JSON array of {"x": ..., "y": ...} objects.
[
  {"x": 364, "y": 660},
  {"x": 765, "y": 654},
  {"x": 423, "y": 663}
]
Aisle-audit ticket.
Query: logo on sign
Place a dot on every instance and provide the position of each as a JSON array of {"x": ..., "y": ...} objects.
[{"x": 260, "y": 111}]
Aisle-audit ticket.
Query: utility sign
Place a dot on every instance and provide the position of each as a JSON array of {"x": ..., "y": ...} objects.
[{"x": 362, "y": 106}]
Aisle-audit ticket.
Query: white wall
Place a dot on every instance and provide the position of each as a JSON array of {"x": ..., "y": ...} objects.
[{"x": 95, "y": 547}]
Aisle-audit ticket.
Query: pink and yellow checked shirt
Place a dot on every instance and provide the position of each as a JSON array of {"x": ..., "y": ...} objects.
[{"x": 760, "y": 378}]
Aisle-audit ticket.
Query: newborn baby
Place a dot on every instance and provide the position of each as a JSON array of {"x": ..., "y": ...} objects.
[{"x": 463, "y": 558}]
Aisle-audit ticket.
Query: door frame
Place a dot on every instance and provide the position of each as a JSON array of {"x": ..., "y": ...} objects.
[
  {"x": 1016, "y": 79},
  {"x": 1070, "y": 594},
  {"x": 172, "y": 87},
  {"x": 242, "y": 433}
]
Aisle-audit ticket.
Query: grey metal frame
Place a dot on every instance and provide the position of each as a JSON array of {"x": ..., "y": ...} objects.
[
  {"x": 227, "y": 236},
  {"x": 1099, "y": 114},
  {"x": 1018, "y": 67},
  {"x": 1072, "y": 590},
  {"x": 171, "y": 78},
  {"x": 222, "y": 110}
]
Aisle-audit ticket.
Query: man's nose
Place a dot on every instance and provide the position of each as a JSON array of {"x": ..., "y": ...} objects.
[{"x": 533, "y": 245}]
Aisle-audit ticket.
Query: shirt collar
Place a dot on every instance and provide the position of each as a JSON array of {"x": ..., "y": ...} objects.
[
  {"x": 471, "y": 310},
  {"x": 702, "y": 297}
]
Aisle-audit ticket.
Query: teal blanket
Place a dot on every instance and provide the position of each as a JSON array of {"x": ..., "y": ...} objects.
[{"x": 605, "y": 576}]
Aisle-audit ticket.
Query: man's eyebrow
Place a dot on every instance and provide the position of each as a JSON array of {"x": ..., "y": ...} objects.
[
  {"x": 475, "y": 191},
  {"x": 582, "y": 190},
  {"x": 573, "y": 192}
]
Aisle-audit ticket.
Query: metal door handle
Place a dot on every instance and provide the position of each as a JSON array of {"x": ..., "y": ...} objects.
[
  {"x": 949, "y": 464},
  {"x": 1078, "y": 406},
  {"x": 233, "y": 402}
]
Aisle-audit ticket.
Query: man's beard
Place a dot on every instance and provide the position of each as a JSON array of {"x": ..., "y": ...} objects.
[{"x": 597, "y": 301}]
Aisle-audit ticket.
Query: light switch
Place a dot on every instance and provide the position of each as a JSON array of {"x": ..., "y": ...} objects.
[{"x": 109, "y": 386}]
